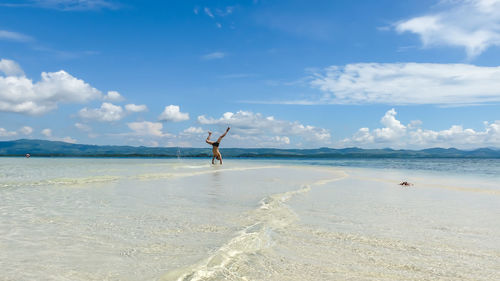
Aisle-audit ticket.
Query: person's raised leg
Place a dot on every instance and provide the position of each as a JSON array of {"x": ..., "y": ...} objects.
[{"x": 208, "y": 138}]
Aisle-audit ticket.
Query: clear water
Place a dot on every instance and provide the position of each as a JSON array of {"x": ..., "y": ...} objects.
[
  {"x": 176, "y": 219},
  {"x": 477, "y": 167}
]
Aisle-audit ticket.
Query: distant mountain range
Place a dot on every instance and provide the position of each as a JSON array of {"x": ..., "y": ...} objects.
[{"x": 63, "y": 149}]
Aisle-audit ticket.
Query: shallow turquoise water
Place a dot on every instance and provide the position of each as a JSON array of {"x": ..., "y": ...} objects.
[{"x": 176, "y": 219}]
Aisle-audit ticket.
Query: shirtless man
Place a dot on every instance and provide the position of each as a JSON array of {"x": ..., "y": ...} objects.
[{"x": 215, "y": 146}]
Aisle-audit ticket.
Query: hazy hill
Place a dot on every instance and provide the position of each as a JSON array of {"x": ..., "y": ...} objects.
[{"x": 56, "y": 148}]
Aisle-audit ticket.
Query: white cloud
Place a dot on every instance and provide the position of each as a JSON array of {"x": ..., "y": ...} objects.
[
  {"x": 136, "y": 108},
  {"x": 194, "y": 130},
  {"x": 26, "y": 130},
  {"x": 265, "y": 141},
  {"x": 256, "y": 128},
  {"x": 415, "y": 124},
  {"x": 409, "y": 83},
  {"x": 393, "y": 128},
  {"x": 471, "y": 24},
  {"x": 213, "y": 56},
  {"x": 6, "y": 133},
  {"x": 19, "y": 94},
  {"x": 83, "y": 127},
  {"x": 47, "y": 132},
  {"x": 14, "y": 36},
  {"x": 113, "y": 96},
  {"x": 173, "y": 113},
  {"x": 396, "y": 135},
  {"x": 10, "y": 67},
  {"x": 284, "y": 140},
  {"x": 146, "y": 128},
  {"x": 68, "y": 140},
  {"x": 108, "y": 112}
]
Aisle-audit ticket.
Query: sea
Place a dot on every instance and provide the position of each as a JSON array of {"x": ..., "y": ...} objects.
[{"x": 266, "y": 219}]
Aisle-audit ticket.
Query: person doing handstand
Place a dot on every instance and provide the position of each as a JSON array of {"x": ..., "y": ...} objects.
[{"x": 215, "y": 146}]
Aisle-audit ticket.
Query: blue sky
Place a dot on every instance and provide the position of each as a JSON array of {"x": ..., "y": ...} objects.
[{"x": 400, "y": 74}]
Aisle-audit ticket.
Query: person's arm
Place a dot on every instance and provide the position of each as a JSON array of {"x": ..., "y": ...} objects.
[
  {"x": 220, "y": 158},
  {"x": 213, "y": 160},
  {"x": 208, "y": 139},
  {"x": 223, "y": 135}
]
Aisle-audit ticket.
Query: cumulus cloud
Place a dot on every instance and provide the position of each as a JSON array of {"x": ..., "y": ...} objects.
[
  {"x": 396, "y": 135},
  {"x": 284, "y": 140},
  {"x": 136, "y": 107},
  {"x": 19, "y": 94},
  {"x": 113, "y": 96},
  {"x": 265, "y": 141},
  {"x": 256, "y": 128},
  {"x": 408, "y": 83},
  {"x": 194, "y": 130},
  {"x": 146, "y": 128},
  {"x": 173, "y": 113},
  {"x": 392, "y": 131},
  {"x": 26, "y": 130},
  {"x": 471, "y": 24},
  {"x": 47, "y": 132},
  {"x": 108, "y": 112},
  {"x": 10, "y": 68},
  {"x": 6, "y": 133},
  {"x": 213, "y": 56}
]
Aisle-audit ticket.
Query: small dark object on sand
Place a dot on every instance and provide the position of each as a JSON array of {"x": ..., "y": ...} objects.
[{"x": 405, "y": 183}]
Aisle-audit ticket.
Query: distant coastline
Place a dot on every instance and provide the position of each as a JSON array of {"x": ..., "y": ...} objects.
[{"x": 44, "y": 148}]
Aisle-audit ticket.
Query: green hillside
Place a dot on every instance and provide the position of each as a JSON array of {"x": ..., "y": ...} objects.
[{"x": 63, "y": 149}]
